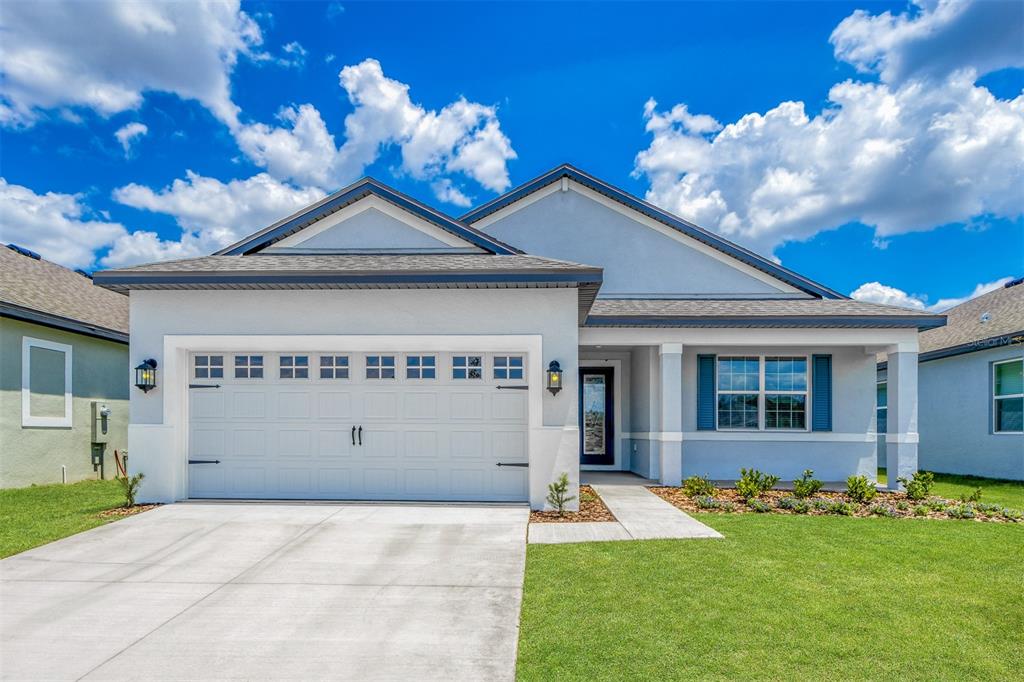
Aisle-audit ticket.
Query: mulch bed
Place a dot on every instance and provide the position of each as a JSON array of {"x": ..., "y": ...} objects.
[
  {"x": 591, "y": 509},
  {"x": 126, "y": 511},
  {"x": 888, "y": 504}
]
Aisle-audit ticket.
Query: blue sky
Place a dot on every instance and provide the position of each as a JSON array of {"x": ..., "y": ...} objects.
[{"x": 848, "y": 140}]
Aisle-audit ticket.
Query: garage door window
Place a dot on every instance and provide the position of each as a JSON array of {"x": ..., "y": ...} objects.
[
  {"x": 380, "y": 366},
  {"x": 248, "y": 366},
  {"x": 508, "y": 366},
  {"x": 209, "y": 367},
  {"x": 420, "y": 367},
  {"x": 467, "y": 367},
  {"x": 334, "y": 367},
  {"x": 294, "y": 367}
]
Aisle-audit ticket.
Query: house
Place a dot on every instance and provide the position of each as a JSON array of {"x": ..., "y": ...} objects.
[
  {"x": 63, "y": 377},
  {"x": 372, "y": 347},
  {"x": 971, "y": 413}
]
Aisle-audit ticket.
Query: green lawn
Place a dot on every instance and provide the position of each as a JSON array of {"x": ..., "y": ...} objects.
[
  {"x": 33, "y": 516},
  {"x": 996, "y": 491},
  {"x": 781, "y": 598}
]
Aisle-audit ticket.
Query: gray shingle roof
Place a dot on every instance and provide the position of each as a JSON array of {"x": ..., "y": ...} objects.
[
  {"x": 813, "y": 312},
  {"x": 1005, "y": 308},
  {"x": 64, "y": 297}
]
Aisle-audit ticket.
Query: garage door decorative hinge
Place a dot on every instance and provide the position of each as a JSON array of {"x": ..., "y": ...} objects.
[
  {"x": 204, "y": 385},
  {"x": 204, "y": 461},
  {"x": 513, "y": 388},
  {"x": 513, "y": 464}
]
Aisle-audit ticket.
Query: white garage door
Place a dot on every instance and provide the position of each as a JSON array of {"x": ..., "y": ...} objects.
[{"x": 340, "y": 425}]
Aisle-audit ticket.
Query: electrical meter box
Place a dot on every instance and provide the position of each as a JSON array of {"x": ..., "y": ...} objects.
[{"x": 101, "y": 422}]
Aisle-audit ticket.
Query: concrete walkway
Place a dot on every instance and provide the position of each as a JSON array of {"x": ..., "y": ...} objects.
[
  {"x": 271, "y": 591},
  {"x": 641, "y": 515}
]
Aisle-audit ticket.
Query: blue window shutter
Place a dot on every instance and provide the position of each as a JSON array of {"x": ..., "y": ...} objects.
[
  {"x": 821, "y": 391},
  {"x": 705, "y": 392}
]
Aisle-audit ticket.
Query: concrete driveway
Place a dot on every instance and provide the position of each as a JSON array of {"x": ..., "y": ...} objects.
[{"x": 271, "y": 591}]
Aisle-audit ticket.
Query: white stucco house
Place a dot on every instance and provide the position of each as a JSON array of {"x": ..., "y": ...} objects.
[{"x": 372, "y": 347}]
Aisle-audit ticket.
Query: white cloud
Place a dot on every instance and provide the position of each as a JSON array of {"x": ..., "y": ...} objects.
[
  {"x": 898, "y": 157},
  {"x": 446, "y": 191},
  {"x": 105, "y": 55},
  {"x": 129, "y": 133},
  {"x": 295, "y": 55},
  {"x": 876, "y": 292},
  {"x": 57, "y": 226}
]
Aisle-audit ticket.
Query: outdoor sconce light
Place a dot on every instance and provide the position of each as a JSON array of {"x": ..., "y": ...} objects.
[
  {"x": 554, "y": 377},
  {"x": 145, "y": 375}
]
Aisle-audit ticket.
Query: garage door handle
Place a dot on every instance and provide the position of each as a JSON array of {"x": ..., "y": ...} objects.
[
  {"x": 204, "y": 461},
  {"x": 360, "y": 435},
  {"x": 513, "y": 464},
  {"x": 353, "y": 435},
  {"x": 513, "y": 388}
]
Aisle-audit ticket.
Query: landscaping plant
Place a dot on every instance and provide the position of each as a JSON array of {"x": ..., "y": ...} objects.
[
  {"x": 696, "y": 486},
  {"x": 759, "y": 506},
  {"x": 860, "y": 489},
  {"x": 973, "y": 497},
  {"x": 920, "y": 486},
  {"x": 807, "y": 485},
  {"x": 558, "y": 495},
  {"x": 753, "y": 482},
  {"x": 130, "y": 485}
]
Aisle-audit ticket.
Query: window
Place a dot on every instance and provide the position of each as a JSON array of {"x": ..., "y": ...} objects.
[
  {"x": 467, "y": 367},
  {"x": 209, "y": 367},
  {"x": 334, "y": 367},
  {"x": 420, "y": 367},
  {"x": 45, "y": 383},
  {"x": 380, "y": 366},
  {"x": 508, "y": 366},
  {"x": 1008, "y": 396},
  {"x": 248, "y": 366},
  {"x": 881, "y": 407},
  {"x": 294, "y": 367},
  {"x": 757, "y": 392}
]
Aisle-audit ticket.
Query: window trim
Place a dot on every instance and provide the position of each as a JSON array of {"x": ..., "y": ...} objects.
[
  {"x": 248, "y": 366},
  {"x": 508, "y": 367},
  {"x": 380, "y": 366},
  {"x": 294, "y": 367},
  {"x": 209, "y": 366},
  {"x": 420, "y": 367},
  {"x": 992, "y": 390},
  {"x": 333, "y": 367},
  {"x": 467, "y": 367},
  {"x": 65, "y": 422},
  {"x": 762, "y": 393},
  {"x": 879, "y": 382}
]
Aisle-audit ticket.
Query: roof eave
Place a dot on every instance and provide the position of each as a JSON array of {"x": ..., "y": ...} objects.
[
  {"x": 781, "y": 321},
  {"x": 17, "y": 312}
]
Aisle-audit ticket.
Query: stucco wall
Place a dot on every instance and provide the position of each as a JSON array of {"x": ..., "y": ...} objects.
[
  {"x": 34, "y": 455},
  {"x": 955, "y": 418},
  {"x": 371, "y": 229}
]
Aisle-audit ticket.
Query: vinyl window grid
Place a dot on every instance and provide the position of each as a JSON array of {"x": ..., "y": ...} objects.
[
  {"x": 468, "y": 367},
  {"x": 293, "y": 367},
  {"x": 1001, "y": 398},
  {"x": 754, "y": 395},
  {"x": 421, "y": 367},
  {"x": 208, "y": 367},
  {"x": 248, "y": 366},
  {"x": 508, "y": 367},
  {"x": 334, "y": 367},
  {"x": 380, "y": 366}
]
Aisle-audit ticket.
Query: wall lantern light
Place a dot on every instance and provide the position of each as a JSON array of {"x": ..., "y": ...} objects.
[
  {"x": 554, "y": 377},
  {"x": 145, "y": 375}
]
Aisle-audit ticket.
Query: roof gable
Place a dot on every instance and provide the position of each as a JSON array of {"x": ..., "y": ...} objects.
[
  {"x": 413, "y": 213},
  {"x": 488, "y": 213}
]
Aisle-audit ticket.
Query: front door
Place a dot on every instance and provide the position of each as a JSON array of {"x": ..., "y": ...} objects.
[{"x": 597, "y": 423}]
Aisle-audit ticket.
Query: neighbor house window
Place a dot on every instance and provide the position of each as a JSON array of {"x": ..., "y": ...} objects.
[
  {"x": 380, "y": 366},
  {"x": 420, "y": 366},
  {"x": 209, "y": 367},
  {"x": 45, "y": 383},
  {"x": 1008, "y": 396},
  {"x": 294, "y": 367},
  {"x": 762, "y": 392},
  {"x": 881, "y": 407},
  {"x": 467, "y": 367},
  {"x": 248, "y": 366},
  {"x": 508, "y": 366},
  {"x": 334, "y": 367}
]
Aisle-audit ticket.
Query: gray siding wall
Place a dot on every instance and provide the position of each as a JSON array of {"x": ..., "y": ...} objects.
[
  {"x": 955, "y": 418},
  {"x": 636, "y": 259}
]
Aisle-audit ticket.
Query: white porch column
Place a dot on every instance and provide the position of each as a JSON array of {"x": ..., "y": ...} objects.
[
  {"x": 671, "y": 403},
  {"x": 901, "y": 425}
]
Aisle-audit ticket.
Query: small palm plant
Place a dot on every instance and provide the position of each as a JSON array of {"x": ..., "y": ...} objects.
[
  {"x": 131, "y": 488},
  {"x": 558, "y": 495}
]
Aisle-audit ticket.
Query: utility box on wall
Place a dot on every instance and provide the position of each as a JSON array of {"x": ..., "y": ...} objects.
[{"x": 101, "y": 422}]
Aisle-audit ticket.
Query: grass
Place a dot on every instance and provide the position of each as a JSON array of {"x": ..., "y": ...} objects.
[
  {"x": 781, "y": 598},
  {"x": 33, "y": 516},
  {"x": 994, "y": 490}
]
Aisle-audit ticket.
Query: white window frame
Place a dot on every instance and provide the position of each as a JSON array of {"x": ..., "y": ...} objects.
[
  {"x": 248, "y": 366},
  {"x": 507, "y": 367},
  {"x": 209, "y": 366},
  {"x": 294, "y": 367},
  {"x": 885, "y": 407},
  {"x": 1002, "y": 397},
  {"x": 468, "y": 355},
  {"x": 420, "y": 367},
  {"x": 380, "y": 367},
  {"x": 762, "y": 392},
  {"x": 65, "y": 422},
  {"x": 333, "y": 367}
]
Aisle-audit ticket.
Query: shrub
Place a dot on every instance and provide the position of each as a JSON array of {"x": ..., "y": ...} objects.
[
  {"x": 961, "y": 511},
  {"x": 988, "y": 509},
  {"x": 753, "y": 482},
  {"x": 860, "y": 489},
  {"x": 920, "y": 486},
  {"x": 903, "y": 505},
  {"x": 973, "y": 497},
  {"x": 842, "y": 508},
  {"x": 795, "y": 505},
  {"x": 1013, "y": 514},
  {"x": 557, "y": 494},
  {"x": 883, "y": 510},
  {"x": 937, "y": 504},
  {"x": 759, "y": 506},
  {"x": 921, "y": 510},
  {"x": 696, "y": 486},
  {"x": 130, "y": 485},
  {"x": 821, "y": 504},
  {"x": 708, "y": 502},
  {"x": 806, "y": 485}
]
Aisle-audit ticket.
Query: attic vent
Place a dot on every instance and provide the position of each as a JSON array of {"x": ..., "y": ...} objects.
[
  {"x": 24, "y": 252},
  {"x": 1014, "y": 282},
  {"x": 985, "y": 317}
]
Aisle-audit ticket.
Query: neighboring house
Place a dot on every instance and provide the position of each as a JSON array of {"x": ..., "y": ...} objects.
[
  {"x": 63, "y": 347},
  {"x": 372, "y": 347},
  {"x": 971, "y": 379}
]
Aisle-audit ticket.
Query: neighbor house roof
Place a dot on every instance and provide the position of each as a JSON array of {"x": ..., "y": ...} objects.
[
  {"x": 337, "y": 271},
  {"x": 990, "y": 320},
  {"x": 39, "y": 291},
  {"x": 349, "y": 195},
  {"x": 700, "y": 234},
  {"x": 754, "y": 313}
]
